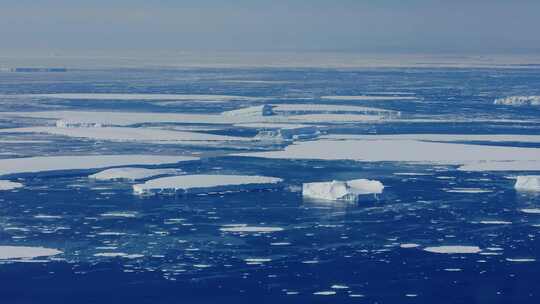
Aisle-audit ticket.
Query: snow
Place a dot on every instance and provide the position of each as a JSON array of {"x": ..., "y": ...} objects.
[
  {"x": 382, "y": 149},
  {"x": 263, "y": 110},
  {"x": 9, "y": 185},
  {"x": 131, "y": 173},
  {"x": 453, "y": 249},
  {"x": 81, "y": 162},
  {"x": 151, "y": 97},
  {"x": 518, "y": 101},
  {"x": 341, "y": 190},
  {"x": 25, "y": 252},
  {"x": 367, "y": 97},
  {"x": 204, "y": 183},
  {"x": 528, "y": 183},
  {"x": 128, "y": 134}
]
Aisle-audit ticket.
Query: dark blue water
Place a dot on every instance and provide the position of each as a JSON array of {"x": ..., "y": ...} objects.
[{"x": 350, "y": 249}]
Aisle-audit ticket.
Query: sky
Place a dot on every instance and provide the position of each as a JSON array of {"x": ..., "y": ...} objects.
[{"x": 386, "y": 26}]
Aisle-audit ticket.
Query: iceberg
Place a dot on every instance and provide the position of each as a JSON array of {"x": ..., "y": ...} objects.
[
  {"x": 518, "y": 101},
  {"x": 342, "y": 190},
  {"x": 82, "y": 162},
  {"x": 131, "y": 174},
  {"x": 296, "y": 132},
  {"x": 9, "y": 185},
  {"x": 528, "y": 183},
  {"x": 204, "y": 183},
  {"x": 25, "y": 252}
]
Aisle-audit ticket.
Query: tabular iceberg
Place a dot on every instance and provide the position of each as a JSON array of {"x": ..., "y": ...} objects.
[
  {"x": 528, "y": 183},
  {"x": 342, "y": 190}
]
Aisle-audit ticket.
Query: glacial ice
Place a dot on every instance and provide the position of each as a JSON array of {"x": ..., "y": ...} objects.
[
  {"x": 81, "y": 162},
  {"x": 25, "y": 252},
  {"x": 9, "y": 185},
  {"x": 205, "y": 183},
  {"x": 528, "y": 183},
  {"x": 341, "y": 190},
  {"x": 518, "y": 101},
  {"x": 131, "y": 173}
]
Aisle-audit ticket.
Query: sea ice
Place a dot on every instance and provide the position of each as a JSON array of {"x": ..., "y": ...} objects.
[
  {"x": 151, "y": 97},
  {"x": 24, "y": 252},
  {"x": 518, "y": 101},
  {"x": 9, "y": 185},
  {"x": 81, "y": 162},
  {"x": 263, "y": 110},
  {"x": 205, "y": 183},
  {"x": 528, "y": 183},
  {"x": 341, "y": 190},
  {"x": 368, "y": 97},
  {"x": 453, "y": 249},
  {"x": 251, "y": 229},
  {"x": 131, "y": 173}
]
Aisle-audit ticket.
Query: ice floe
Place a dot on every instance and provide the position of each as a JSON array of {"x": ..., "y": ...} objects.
[
  {"x": 377, "y": 149},
  {"x": 9, "y": 185},
  {"x": 518, "y": 101},
  {"x": 368, "y": 97},
  {"x": 250, "y": 229},
  {"x": 409, "y": 245},
  {"x": 80, "y": 162},
  {"x": 528, "y": 183},
  {"x": 467, "y": 190},
  {"x": 131, "y": 96},
  {"x": 204, "y": 183},
  {"x": 522, "y": 260},
  {"x": 262, "y": 110},
  {"x": 531, "y": 210},
  {"x": 453, "y": 249},
  {"x": 131, "y": 173},
  {"x": 341, "y": 190},
  {"x": 25, "y": 252}
]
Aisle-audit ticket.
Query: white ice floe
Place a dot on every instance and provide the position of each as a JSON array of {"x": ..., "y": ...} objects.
[
  {"x": 495, "y": 222},
  {"x": 251, "y": 229},
  {"x": 9, "y": 185},
  {"x": 126, "y": 214},
  {"x": 262, "y": 110},
  {"x": 288, "y": 133},
  {"x": 81, "y": 162},
  {"x": 158, "y": 136},
  {"x": 528, "y": 183},
  {"x": 341, "y": 190},
  {"x": 299, "y": 108},
  {"x": 523, "y": 260},
  {"x": 205, "y": 183},
  {"x": 518, "y": 101},
  {"x": 508, "y": 165},
  {"x": 131, "y": 174},
  {"x": 24, "y": 252},
  {"x": 531, "y": 210},
  {"x": 146, "y": 97},
  {"x": 375, "y": 149},
  {"x": 442, "y": 137},
  {"x": 368, "y": 97},
  {"x": 453, "y": 249},
  {"x": 467, "y": 190},
  {"x": 409, "y": 245},
  {"x": 325, "y": 293}
]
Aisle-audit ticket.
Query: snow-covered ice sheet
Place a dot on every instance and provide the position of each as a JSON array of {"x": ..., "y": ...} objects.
[
  {"x": 79, "y": 162},
  {"x": 341, "y": 190},
  {"x": 131, "y": 173},
  {"x": 205, "y": 183}
]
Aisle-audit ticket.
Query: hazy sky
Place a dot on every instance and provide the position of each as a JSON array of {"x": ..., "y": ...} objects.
[{"x": 436, "y": 26}]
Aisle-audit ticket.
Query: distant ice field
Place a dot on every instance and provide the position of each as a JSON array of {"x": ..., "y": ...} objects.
[{"x": 219, "y": 211}]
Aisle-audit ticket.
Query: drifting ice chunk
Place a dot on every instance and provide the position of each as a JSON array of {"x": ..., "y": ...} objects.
[
  {"x": 342, "y": 190},
  {"x": 264, "y": 110},
  {"x": 518, "y": 101},
  {"x": 70, "y": 124},
  {"x": 205, "y": 183},
  {"x": 295, "y": 133},
  {"x": 8, "y": 185},
  {"x": 24, "y": 252},
  {"x": 528, "y": 183},
  {"x": 131, "y": 173}
]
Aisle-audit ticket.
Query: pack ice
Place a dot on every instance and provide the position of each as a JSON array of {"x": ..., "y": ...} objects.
[
  {"x": 528, "y": 183},
  {"x": 342, "y": 190}
]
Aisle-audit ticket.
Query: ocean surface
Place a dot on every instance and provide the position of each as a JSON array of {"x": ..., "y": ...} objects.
[{"x": 118, "y": 247}]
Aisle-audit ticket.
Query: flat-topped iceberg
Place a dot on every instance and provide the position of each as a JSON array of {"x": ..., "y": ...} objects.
[
  {"x": 82, "y": 162},
  {"x": 205, "y": 183},
  {"x": 9, "y": 185},
  {"x": 131, "y": 173},
  {"x": 518, "y": 101},
  {"x": 25, "y": 252},
  {"x": 528, "y": 183},
  {"x": 342, "y": 190}
]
